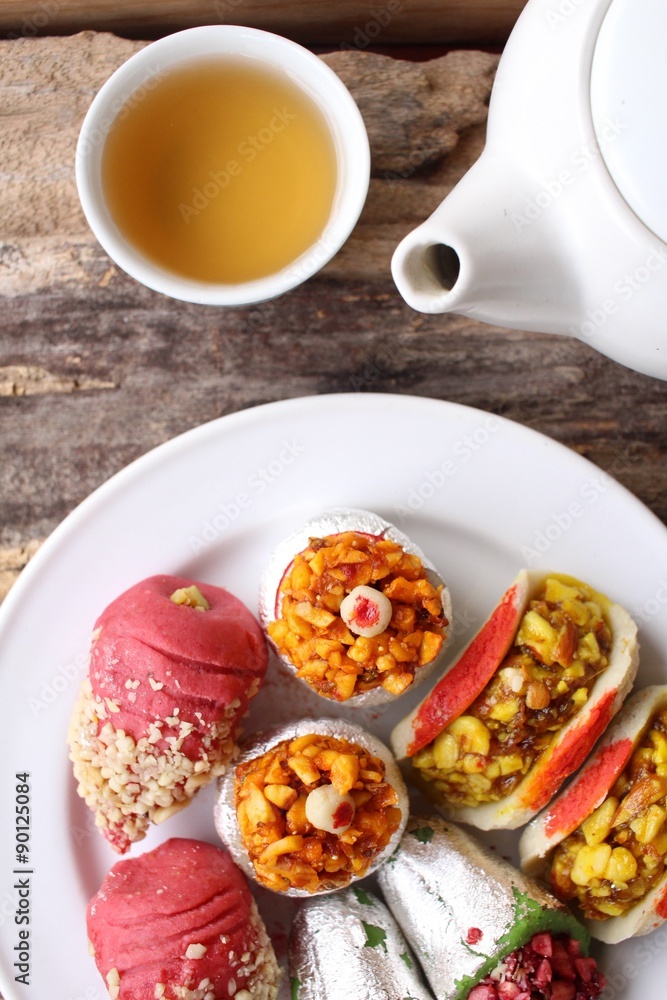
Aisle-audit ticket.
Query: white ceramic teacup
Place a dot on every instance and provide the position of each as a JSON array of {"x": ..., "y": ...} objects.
[{"x": 140, "y": 74}]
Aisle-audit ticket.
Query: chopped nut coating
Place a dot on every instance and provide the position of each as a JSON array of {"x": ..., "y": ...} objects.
[
  {"x": 326, "y": 823},
  {"x": 356, "y": 613}
]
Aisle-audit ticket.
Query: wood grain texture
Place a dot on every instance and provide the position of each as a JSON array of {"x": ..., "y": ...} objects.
[
  {"x": 95, "y": 369},
  {"x": 312, "y": 22},
  {"x": 12, "y": 561}
]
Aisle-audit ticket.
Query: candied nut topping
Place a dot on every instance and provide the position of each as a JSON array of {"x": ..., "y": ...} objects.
[
  {"x": 561, "y": 646},
  {"x": 311, "y": 632},
  {"x": 271, "y": 795},
  {"x": 619, "y": 853}
]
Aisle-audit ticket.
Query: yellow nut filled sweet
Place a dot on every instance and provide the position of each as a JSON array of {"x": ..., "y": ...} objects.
[
  {"x": 312, "y": 807},
  {"x": 603, "y": 843},
  {"x": 524, "y": 704},
  {"x": 354, "y": 609}
]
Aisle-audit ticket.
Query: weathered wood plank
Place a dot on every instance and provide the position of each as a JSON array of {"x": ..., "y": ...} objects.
[
  {"x": 353, "y": 22},
  {"x": 28, "y": 380},
  {"x": 175, "y": 365},
  {"x": 95, "y": 369},
  {"x": 12, "y": 561}
]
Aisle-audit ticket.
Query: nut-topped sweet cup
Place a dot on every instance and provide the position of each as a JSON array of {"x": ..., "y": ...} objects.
[
  {"x": 312, "y": 806},
  {"x": 354, "y": 608}
]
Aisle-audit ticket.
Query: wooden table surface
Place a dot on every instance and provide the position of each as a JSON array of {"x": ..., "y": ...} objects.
[
  {"x": 95, "y": 370},
  {"x": 360, "y": 23}
]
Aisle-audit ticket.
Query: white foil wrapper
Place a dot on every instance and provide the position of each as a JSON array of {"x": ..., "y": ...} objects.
[
  {"x": 334, "y": 522},
  {"x": 226, "y": 822},
  {"x": 349, "y": 947},
  {"x": 461, "y": 908}
]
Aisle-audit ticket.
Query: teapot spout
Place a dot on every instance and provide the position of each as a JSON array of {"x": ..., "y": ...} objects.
[{"x": 479, "y": 256}]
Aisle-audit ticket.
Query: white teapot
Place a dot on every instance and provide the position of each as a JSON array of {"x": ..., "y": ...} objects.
[{"x": 559, "y": 226}]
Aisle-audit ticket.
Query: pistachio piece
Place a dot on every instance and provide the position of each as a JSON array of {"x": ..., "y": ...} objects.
[{"x": 191, "y": 597}]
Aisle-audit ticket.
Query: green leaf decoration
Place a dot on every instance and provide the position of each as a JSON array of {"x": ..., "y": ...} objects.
[
  {"x": 294, "y": 987},
  {"x": 406, "y": 958},
  {"x": 528, "y": 918},
  {"x": 362, "y": 896},
  {"x": 375, "y": 936},
  {"x": 424, "y": 834}
]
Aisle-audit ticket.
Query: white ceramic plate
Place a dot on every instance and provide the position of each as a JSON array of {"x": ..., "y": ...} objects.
[{"x": 481, "y": 495}]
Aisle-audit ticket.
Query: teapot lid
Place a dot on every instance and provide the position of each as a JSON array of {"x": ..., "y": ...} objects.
[{"x": 627, "y": 101}]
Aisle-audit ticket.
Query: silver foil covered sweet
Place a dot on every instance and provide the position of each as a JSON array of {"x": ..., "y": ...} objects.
[
  {"x": 333, "y": 522},
  {"x": 226, "y": 822},
  {"x": 461, "y": 908},
  {"x": 349, "y": 947}
]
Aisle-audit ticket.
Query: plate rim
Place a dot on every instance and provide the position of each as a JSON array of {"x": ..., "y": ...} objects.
[{"x": 167, "y": 449}]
